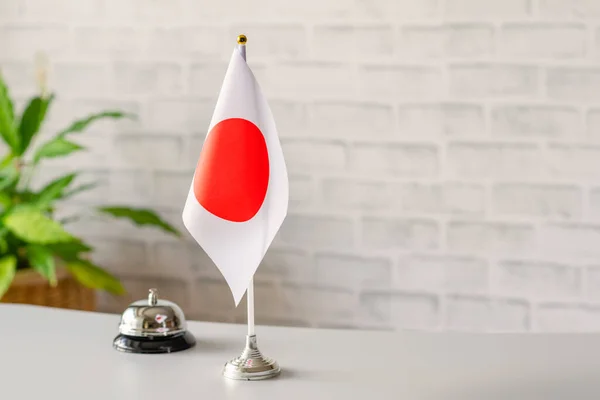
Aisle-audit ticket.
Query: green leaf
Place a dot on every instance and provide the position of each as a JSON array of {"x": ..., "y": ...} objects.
[
  {"x": 82, "y": 124},
  {"x": 8, "y": 130},
  {"x": 42, "y": 260},
  {"x": 54, "y": 190},
  {"x": 30, "y": 225},
  {"x": 95, "y": 277},
  {"x": 8, "y": 177},
  {"x": 8, "y": 160},
  {"x": 69, "y": 219},
  {"x": 8, "y": 267},
  {"x": 79, "y": 189},
  {"x": 31, "y": 121},
  {"x": 139, "y": 217},
  {"x": 3, "y": 241},
  {"x": 69, "y": 251},
  {"x": 56, "y": 147}
]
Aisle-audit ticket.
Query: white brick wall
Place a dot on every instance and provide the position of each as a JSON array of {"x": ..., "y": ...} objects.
[{"x": 444, "y": 155}]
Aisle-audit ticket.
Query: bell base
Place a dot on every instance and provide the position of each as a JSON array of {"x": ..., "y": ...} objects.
[
  {"x": 251, "y": 365},
  {"x": 154, "y": 344}
]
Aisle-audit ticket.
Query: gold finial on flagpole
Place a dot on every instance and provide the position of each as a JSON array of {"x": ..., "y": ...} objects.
[{"x": 242, "y": 39}]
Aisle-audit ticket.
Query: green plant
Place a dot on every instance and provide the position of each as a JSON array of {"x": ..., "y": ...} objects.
[{"x": 30, "y": 234}]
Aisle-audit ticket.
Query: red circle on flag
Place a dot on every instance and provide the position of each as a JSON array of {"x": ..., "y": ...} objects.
[{"x": 232, "y": 174}]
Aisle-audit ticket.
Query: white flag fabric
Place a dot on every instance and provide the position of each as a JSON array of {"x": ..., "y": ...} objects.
[{"x": 238, "y": 198}]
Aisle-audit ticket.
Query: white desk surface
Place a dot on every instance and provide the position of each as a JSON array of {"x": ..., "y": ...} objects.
[{"x": 67, "y": 355}]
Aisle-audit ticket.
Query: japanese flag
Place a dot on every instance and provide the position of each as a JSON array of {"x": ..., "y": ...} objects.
[{"x": 238, "y": 198}]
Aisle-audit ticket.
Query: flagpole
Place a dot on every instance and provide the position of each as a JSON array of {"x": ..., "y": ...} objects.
[
  {"x": 251, "y": 365},
  {"x": 250, "y": 292}
]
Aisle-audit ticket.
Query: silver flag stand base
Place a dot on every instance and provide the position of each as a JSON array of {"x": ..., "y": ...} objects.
[{"x": 251, "y": 365}]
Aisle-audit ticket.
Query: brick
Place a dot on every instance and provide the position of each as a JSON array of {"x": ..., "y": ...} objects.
[
  {"x": 157, "y": 11},
  {"x": 347, "y": 119},
  {"x": 100, "y": 42},
  {"x": 171, "y": 188},
  {"x": 170, "y": 259},
  {"x": 543, "y": 41},
  {"x": 166, "y": 42},
  {"x": 400, "y": 310},
  {"x": 593, "y": 124},
  {"x": 317, "y": 231},
  {"x": 62, "y": 10},
  {"x": 291, "y": 117},
  {"x": 287, "y": 266},
  {"x": 303, "y": 155},
  {"x": 537, "y": 280},
  {"x": 206, "y": 79},
  {"x": 394, "y": 233},
  {"x": 432, "y": 120},
  {"x": 487, "y": 8},
  {"x": 352, "y": 272},
  {"x": 19, "y": 77},
  {"x": 399, "y": 82},
  {"x": 414, "y": 311},
  {"x": 510, "y": 316},
  {"x": 369, "y": 42},
  {"x": 548, "y": 201},
  {"x": 287, "y": 41},
  {"x": 493, "y": 80},
  {"x": 304, "y": 303},
  {"x": 201, "y": 264},
  {"x": 10, "y": 10},
  {"x": 184, "y": 116},
  {"x": 137, "y": 288},
  {"x": 207, "y": 43},
  {"x": 553, "y": 122},
  {"x": 571, "y": 240},
  {"x": 591, "y": 283},
  {"x": 494, "y": 160},
  {"x": 121, "y": 256},
  {"x": 453, "y": 41},
  {"x": 374, "y": 309},
  {"x": 134, "y": 78},
  {"x": 22, "y": 43},
  {"x": 409, "y": 160},
  {"x": 554, "y": 317},
  {"x": 329, "y": 306},
  {"x": 574, "y": 161},
  {"x": 490, "y": 238},
  {"x": 312, "y": 80},
  {"x": 152, "y": 152},
  {"x": 446, "y": 198},
  {"x": 580, "y": 9},
  {"x": 119, "y": 12},
  {"x": 301, "y": 191},
  {"x": 594, "y": 203},
  {"x": 573, "y": 84},
  {"x": 406, "y": 10},
  {"x": 352, "y": 194},
  {"x": 81, "y": 79},
  {"x": 453, "y": 274},
  {"x": 467, "y": 313},
  {"x": 97, "y": 195},
  {"x": 131, "y": 187},
  {"x": 484, "y": 315},
  {"x": 211, "y": 300},
  {"x": 239, "y": 10}
]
